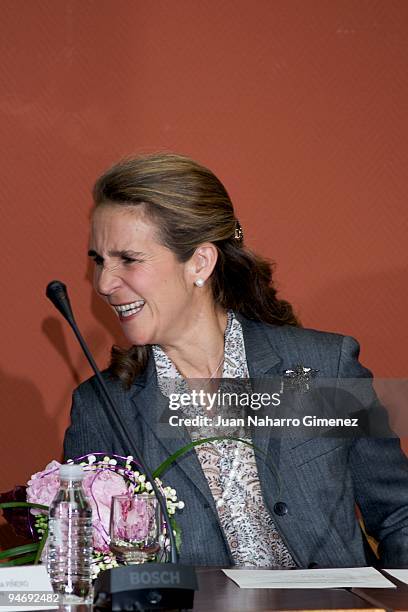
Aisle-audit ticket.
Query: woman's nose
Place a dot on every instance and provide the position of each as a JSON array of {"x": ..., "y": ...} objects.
[{"x": 107, "y": 280}]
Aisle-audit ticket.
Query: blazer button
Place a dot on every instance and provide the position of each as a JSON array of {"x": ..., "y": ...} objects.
[{"x": 280, "y": 508}]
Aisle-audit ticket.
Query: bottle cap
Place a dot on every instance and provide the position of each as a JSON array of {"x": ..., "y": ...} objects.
[{"x": 70, "y": 471}]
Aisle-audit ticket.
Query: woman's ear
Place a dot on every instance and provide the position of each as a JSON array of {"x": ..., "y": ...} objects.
[{"x": 202, "y": 262}]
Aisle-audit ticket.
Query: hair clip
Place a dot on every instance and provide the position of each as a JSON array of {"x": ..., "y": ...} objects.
[{"x": 239, "y": 234}]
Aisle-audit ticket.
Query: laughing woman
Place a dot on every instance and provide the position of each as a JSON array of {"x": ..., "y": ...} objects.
[{"x": 194, "y": 303}]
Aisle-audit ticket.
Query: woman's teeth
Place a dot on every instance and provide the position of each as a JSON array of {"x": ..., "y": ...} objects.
[{"x": 126, "y": 310}]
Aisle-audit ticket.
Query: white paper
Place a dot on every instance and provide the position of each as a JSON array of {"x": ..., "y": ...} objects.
[
  {"x": 363, "y": 577},
  {"x": 25, "y": 579},
  {"x": 399, "y": 574}
]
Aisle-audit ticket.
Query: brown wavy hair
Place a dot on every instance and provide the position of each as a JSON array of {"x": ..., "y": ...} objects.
[{"x": 189, "y": 205}]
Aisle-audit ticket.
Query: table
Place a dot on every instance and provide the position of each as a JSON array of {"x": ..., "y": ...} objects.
[
  {"x": 392, "y": 599},
  {"x": 219, "y": 594}
]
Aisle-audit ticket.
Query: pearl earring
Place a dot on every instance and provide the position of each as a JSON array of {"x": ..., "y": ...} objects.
[{"x": 199, "y": 282}]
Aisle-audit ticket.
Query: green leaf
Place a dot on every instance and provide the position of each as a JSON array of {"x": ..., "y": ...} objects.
[
  {"x": 19, "y": 550},
  {"x": 177, "y": 529},
  {"x": 27, "y": 560},
  {"x": 41, "y": 546},
  {"x": 181, "y": 451},
  {"x": 37, "y": 547},
  {"x": 22, "y": 505}
]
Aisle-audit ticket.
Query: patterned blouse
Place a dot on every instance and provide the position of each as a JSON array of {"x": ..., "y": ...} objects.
[{"x": 230, "y": 466}]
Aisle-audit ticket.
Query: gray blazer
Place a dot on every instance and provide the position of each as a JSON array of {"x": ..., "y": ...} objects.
[{"x": 322, "y": 478}]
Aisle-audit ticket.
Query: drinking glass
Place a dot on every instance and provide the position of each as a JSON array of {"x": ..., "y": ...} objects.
[{"x": 135, "y": 528}]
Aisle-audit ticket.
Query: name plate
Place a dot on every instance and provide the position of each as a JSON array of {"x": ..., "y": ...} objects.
[{"x": 26, "y": 588}]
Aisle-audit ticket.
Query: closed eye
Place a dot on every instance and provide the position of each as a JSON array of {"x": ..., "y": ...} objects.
[
  {"x": 129, "y": 260},
  {"x": 97, "y": 259},
  {"x": 126, "y": 257}
]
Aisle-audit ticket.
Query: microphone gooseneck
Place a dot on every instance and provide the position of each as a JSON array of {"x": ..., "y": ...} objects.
[{"x": 57, "y": 292}]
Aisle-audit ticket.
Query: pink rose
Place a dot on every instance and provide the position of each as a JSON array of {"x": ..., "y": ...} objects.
[
  {"x": 43, "y": 486},
  {"x": 99, "y": 487},
  {"x": 134, "y": 520}
]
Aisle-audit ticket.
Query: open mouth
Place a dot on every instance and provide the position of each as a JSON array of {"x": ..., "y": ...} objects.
[{"x": 127, "y": 310}]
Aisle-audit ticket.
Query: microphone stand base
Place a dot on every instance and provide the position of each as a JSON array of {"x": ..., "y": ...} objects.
[{"x": 145, "y": 587}]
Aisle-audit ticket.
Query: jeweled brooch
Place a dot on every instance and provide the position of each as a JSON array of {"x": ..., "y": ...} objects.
[{"x": 297, "y": 379}]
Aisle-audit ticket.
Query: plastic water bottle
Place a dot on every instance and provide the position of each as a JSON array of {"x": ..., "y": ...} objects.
[{"x": 70, "y": 538}]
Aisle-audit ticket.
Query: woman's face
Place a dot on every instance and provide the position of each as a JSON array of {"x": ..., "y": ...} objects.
[{"x": 148, "y": 288}]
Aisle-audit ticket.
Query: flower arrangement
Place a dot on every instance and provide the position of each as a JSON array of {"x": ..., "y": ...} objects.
[
  {"x": 104, "y": 477},
  {"x": 26, "y": 508}
]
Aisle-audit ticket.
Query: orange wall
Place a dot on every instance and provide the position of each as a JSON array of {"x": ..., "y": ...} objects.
[{"x": 300, "y": 108}]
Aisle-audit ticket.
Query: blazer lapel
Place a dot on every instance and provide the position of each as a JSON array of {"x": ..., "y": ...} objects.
[
  {"x": 261, "y": 356},
  {"x": 263, "y": 362}
]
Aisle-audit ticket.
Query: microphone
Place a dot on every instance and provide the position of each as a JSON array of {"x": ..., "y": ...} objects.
[
  {"x": 57, "y": 293},
  {"x": 115, "y": 588}
]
